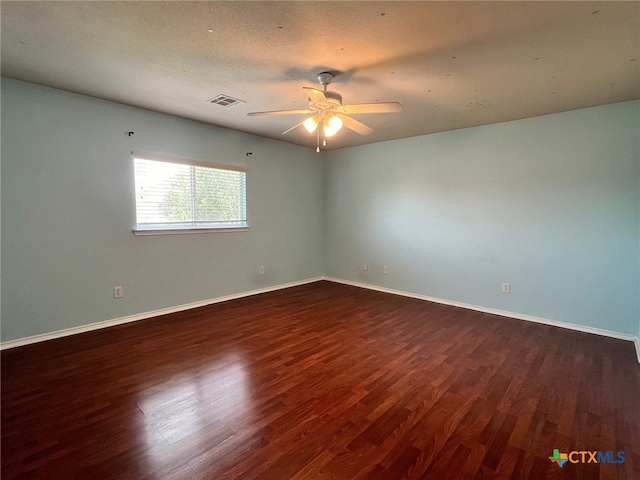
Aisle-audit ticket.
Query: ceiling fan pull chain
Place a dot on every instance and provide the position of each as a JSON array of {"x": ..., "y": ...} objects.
[{"x": 324, "y": 135}]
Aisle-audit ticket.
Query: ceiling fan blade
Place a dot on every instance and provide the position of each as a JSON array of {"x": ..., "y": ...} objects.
[
  {"x": 386, "y": 107},
  {"x": 281, "y": 112},
  {"x": 316, "y": 96},
  {"x": 355, "y": 125},
  {"x": 292, "y": 128},
  {"x": 315, "y": 120}
]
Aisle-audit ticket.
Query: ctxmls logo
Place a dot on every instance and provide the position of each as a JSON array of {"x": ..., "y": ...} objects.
[{"x": 583, "y": 456}]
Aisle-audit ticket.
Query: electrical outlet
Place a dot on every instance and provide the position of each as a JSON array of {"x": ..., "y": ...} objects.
[
  {"x": 365, "y": 267},
  {"x": 118, "y": 292},
  {"x": 261, "y": 270},
  {"x": 506, "y": 288},
  {"x": 385, "y": 269}
]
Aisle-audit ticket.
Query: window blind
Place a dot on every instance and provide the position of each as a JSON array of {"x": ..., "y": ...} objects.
[{"x": 178, "y": 194}]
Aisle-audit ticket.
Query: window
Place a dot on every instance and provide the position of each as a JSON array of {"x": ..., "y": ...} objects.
[{"x": 176, "y": 195}]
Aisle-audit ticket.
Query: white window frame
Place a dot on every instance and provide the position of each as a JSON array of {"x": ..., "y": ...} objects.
[{"x": 181, "y": 228}]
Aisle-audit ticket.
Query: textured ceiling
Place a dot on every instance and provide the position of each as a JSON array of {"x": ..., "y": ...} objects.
[{"x": 451, "y": 64}]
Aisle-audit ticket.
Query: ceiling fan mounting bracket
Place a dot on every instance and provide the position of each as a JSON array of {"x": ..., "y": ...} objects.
[{"x": 325, "y": 78}]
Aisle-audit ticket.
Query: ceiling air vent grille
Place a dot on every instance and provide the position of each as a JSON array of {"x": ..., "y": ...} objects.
[{"x": 226, "y": 101}]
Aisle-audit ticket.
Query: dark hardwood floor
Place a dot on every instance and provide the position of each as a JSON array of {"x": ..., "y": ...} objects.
[{"x": 320, "y": 381}]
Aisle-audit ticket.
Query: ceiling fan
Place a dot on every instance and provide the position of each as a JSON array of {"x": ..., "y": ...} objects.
[{"x": 327, "y": 113}]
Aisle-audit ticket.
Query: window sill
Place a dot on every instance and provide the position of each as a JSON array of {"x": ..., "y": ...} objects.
[{"x": 188, "y": 231}]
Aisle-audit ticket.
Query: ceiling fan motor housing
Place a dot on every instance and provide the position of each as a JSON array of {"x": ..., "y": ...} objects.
[{"x": 333, "y": 98}]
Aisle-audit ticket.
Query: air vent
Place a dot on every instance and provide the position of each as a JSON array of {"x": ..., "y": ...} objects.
[{"x": 226, "y": 101}]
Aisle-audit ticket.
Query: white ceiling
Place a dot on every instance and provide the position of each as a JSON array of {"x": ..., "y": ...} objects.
[{"x": 450, "y": 64}]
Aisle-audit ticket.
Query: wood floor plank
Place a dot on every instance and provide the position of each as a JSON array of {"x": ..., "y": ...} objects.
[{"x": 320, "y": 381}]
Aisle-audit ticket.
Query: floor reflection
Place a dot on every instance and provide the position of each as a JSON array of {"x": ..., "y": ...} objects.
[{"x": 188, "y": 407}]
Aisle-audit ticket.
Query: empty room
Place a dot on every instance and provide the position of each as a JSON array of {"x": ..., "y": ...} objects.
[{"x": 320, "y": 240}]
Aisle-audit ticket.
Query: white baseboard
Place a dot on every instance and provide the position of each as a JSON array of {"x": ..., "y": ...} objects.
[
  {"x": 163, "y": 311},
  {"x": 142, "y": 316},
  {"x": 503, "y": 313}
]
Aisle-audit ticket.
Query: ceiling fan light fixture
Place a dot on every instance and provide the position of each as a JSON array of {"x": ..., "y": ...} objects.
[
  {"x": 311, "y": 123},
  {"x": 329, "y": 114},
  {"x": 332, "y": 126}
]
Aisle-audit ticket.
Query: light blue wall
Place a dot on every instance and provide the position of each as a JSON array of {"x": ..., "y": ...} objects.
[
  {"x": 549, "y": 204},
  {"x": 68, "y": 212}
]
